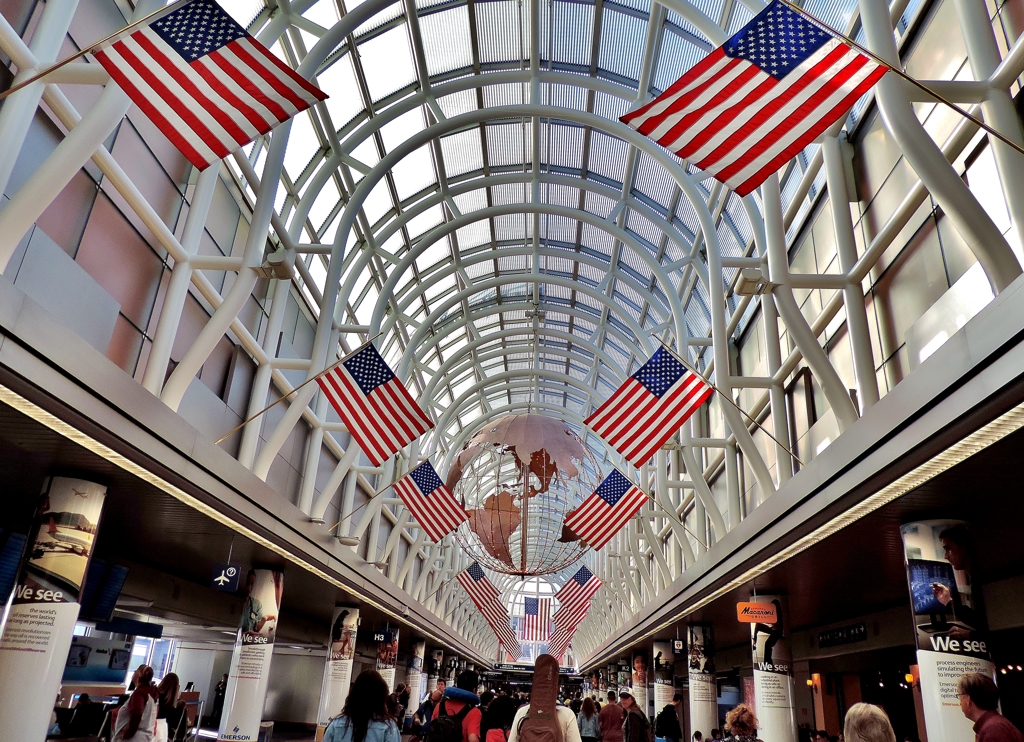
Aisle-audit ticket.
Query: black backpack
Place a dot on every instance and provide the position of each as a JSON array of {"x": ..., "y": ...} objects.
[{"x": 447, "y": 728}]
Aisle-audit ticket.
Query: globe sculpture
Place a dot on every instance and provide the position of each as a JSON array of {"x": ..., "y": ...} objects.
[{"x": 518, "y": 478}]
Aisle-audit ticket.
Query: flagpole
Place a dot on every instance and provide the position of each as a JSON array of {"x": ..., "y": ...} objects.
[
  {"x": 283, "y": 397},
  {"x": 913, "y": 81},
  {"x": 372, "y": 497},
  {"x": 727, "y": 397},
  {"x": 89, "y": 49}
]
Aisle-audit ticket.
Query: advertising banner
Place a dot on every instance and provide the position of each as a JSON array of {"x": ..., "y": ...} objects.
[
  {"x": 434, "y": 666},
  {"x": 414, "y": 679},
  {"x": 338, "y": 669},
  {"x": 250, "y": 661},
  {"x": 948, "y": 621},
  {"x": 387, "y": 655},
  {"x": 624, "y": 674},
  {"x": 773, "y": 674},
  {"x": 639, "y": 679},
  {"x": 451, "y": 670},
  {"x": 612, "y": 671},
  {"x": 664, "y": 671},
  {"x": 700, "y": 645},
  {"x": 37, "y": 633}
]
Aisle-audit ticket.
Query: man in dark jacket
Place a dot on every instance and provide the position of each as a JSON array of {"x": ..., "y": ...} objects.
[
  {"x": 667, "y": 725},
  {"x": 636, "y": 727},
  {"x": 979, "y": 700}
]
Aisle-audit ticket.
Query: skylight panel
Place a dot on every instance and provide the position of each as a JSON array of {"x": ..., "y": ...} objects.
[
  {"x": 425, "y": 221},
  {"x": 505, "y": 143},
  {"x": 611, "y": 107},
  {"x": 414, "y": 172},
  {"x": 323, "y": 204},
  {"x": 677, "y": 55},
  {"x": 501, "y": 31},
  {"x": 573, "y": 97},
  {"x": 741, "y": 15},
  {"x": 573, "y": 33},
  {"x": 623, "y": 39},
  {"x": 471, "y": 201},
  {"x": 509, "y": 193},
  {"x": 505, "y": 94},
  {"x": 458, "y": 103},
  {"x": 387, "y": 62},
  {"x": 561, "y": 228},
  {"x": 472, "y": 235},
  {"x": 561, "y": 195},
  {"x": 565, "y": 146},
  {"x": 302, "y": 145},
  {"x": 608, "y": 156},
  {"x": 598, "y": 241},
  {"x": 462, "y": 152},
  {"x": 446, "y": 40},
  {"x": 378, "y": 203}
]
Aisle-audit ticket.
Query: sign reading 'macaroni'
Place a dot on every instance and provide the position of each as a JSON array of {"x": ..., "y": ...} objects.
[{"x": 756, "y": 613}]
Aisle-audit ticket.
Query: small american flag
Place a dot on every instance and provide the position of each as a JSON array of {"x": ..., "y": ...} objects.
[
  {"x": 601, "y": 515},
  {"x": 574, "y": 597},
  {"x": 207, "y": 84},
  {"x": 536, "y": 615},
  {"x": 560, "y": 639},
  {"x": 756, "y": 101},
  {"x": 650, "y": 407},
  {"x": 431, "y": 504},
  {"x": 376, "y": 408},
  {"x": 487, "y": 600}
]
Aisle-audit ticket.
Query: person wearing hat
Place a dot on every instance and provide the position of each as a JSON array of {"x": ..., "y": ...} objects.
[{"x": 636, "y": 727}]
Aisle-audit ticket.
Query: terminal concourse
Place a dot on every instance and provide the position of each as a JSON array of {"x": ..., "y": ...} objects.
[{"x": 410, "y": 341}]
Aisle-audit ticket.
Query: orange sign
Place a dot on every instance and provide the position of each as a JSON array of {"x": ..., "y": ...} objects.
[{"x": 756, "y": 613}]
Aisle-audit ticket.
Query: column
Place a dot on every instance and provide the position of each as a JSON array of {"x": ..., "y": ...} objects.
[
  {"x": 387, "y": 655},
  {"x": 700, "y": 649},
  {"x": 639, "y": 679},
  {"x": 338, "y": 668},
  {"x": 250, "y": 661},
  {"x": 664, "y": 672},
  {"x": 612, "y": 671},
  {"x": 773, "y": 673},
  {"x": 948, "y": 621},
  {"x": 434, "y": 670},
  {"x": 40, "y": 622},
  {"x": 414, "y": 679},
  {"x": 624, "y": 674}
]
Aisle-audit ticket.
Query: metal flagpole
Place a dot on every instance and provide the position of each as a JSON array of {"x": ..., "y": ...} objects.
[
  {"x": 283, "y": 397},
  {"x": 93, "y": 47},
  {"x": 896, "y": 70}
]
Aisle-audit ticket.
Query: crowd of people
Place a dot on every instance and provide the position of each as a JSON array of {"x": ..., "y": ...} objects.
[{"x": 458, "y": 714}]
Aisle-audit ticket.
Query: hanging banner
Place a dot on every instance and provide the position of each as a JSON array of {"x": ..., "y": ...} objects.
[
  {"x": 338, "y": 669},
  {"x": 773, "y": 675},
  {"x": 638, "y": 680},
  {"x": 948, "y": 620},
  {"x": 612, "y": 671},
  {"x": 414, "y": 679},
  {"x": 625, "y": 675},
  {"x": 700, "y": 644},
  {"x": 602, "y": 683},
  {"x": 451, "y": 670},
  {"x": 250, "y": 661},
  {"x": 434, "y": 666},
  {"x": 387, "y": 655},
  {"x": 38, "y": 630},
  {"x": 664, "y": 671}
]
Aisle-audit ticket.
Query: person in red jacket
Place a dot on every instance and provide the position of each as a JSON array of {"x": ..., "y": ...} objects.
[{"x": 979, "y": 699}]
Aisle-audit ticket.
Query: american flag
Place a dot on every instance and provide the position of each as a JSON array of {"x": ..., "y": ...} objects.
[
  {"x": 574, "y": 597},
  {"x": 650, "y": 407},
  {"x": 207, "y": 84},
  {"x": 601, "y": 515},
  {"x": 755, "y": 102},
  {"x": 560, "y": 639},
  {"x": 486, "y": 598},
  {"x": 376, "y": 408},
  {"x": 536, "y": 615},
  {"x": 431, "y": 504}
]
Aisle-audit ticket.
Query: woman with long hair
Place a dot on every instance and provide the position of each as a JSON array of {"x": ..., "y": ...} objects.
[
  {"x": 365, "y": 717},
  {"x": 167, "y": 702},
  {"x": 588, "y": 721}
]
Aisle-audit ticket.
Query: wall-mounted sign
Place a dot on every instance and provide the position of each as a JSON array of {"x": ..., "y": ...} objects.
[
  {"x": 851, "y": 634},
  {"x": 756, "y": 613},
  {"x": 678, "y": 646}
]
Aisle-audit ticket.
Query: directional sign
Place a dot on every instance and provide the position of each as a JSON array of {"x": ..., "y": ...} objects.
[{"x": 225, "y": 577}]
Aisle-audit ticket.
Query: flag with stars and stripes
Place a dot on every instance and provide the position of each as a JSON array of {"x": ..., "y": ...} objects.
[
  {"x": 560, "y": 639},
  {"x": 375, "y": 406},
  {"x": 756, "y": 101},
  {"x": 435, "y": 508},
  {"x": 487, "y": 600},
  {"x": 649, "y": 407},
  {"x": 608, "y": 509},
  {"x": 574, "y": 597},
  {"x": 208, "y": 85},
  {"x": 536, "y": 615}
]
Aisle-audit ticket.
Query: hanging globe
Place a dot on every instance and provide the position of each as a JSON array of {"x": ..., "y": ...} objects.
[{"x": 518, "y": 477}]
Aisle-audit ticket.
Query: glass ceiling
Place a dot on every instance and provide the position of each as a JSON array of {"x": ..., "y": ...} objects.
[{"x": 543, "y": 292}]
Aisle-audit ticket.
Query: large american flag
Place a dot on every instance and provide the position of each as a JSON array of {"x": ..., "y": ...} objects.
[
  {"x": 560, "y": 639},
  {"x": 207, "y": 84},
  {"x": 650, "y": 407},
  {"x": 608, "y": 509},
  {"x": 574, "y": 598},
  {"x": 536, "y": 617},
  {"x": 376, "y": 408},
  {"x": 431, "y": 504},
  {"x": 487, "y": 600},
  {"x": 755, "y": 102}
]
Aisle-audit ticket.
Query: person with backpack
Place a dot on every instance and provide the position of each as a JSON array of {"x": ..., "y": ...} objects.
[
  {"x": 542, "y": 719},
  {"x": 636, "y": 727},
  {"x": 457, "y": 718},
  {"x": 666, "y": 726},
  {"x": 426, "y": 712},
  {"x": 497, "y": 719},
  {"x": 365, "y": 717}
]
